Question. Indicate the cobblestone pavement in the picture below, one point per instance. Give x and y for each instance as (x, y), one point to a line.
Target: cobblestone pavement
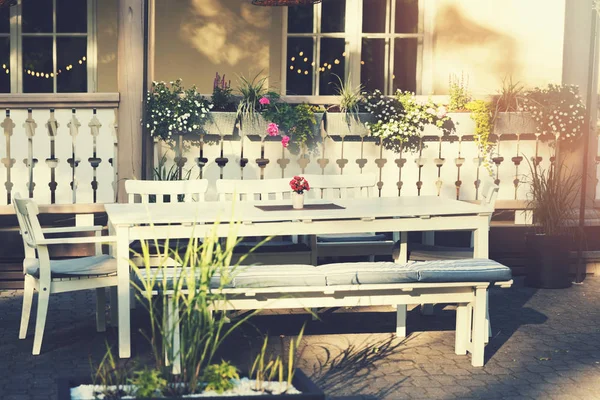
(546, 345)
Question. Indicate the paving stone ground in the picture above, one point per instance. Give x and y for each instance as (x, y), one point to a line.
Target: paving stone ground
(546, 345)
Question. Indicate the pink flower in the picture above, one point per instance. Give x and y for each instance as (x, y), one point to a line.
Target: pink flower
(264, 101)
(441, 112)
(285, 140)
(272, 129)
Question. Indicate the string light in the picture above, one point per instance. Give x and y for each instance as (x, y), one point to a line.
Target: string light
(49, 75)
(305, 59)
(336, 61)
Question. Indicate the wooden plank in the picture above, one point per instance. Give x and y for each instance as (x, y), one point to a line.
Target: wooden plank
(130, 71)
(60, 209)
(4, 285)
(59, 100)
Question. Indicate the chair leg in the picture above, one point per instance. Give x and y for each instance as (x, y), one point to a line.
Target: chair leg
(487, 319)
(479, 325)
(114, 308)
(27, 301)
(401, 320)
(40, 321)
(463, 329)
(101, 309)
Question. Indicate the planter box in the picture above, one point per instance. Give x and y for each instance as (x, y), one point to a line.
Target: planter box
(513, 123)
(343, 124)
(301, 382)
(221, 123)
(255, 126)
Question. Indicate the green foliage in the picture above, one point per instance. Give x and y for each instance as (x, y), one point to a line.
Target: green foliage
(558, 110)
(218, 377)
(552, 195)
(222, 97)
(170, 109)
(459, 93)
(111, 376)
(400, 120)
(251, 90)
(510, 98)
(483, 115)
(350, 97)
(147, 382)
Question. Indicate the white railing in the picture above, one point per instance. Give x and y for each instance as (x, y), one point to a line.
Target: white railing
(447, 166)
(59, 149)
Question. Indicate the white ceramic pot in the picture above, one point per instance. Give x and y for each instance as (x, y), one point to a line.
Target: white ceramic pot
(297, 201)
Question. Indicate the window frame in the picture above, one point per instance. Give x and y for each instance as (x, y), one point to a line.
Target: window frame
(16, 47)
(354, 35)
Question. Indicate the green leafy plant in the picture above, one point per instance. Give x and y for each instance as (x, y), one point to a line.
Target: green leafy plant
(222, 97)
(459, 93)
(483, 115)
(251, 91)
(510, 98)
(218, 377)
(558, 110)
(350, 97)
(147, 382)
(111, 376)
(400, 120)
(170, 109)
(552, 195)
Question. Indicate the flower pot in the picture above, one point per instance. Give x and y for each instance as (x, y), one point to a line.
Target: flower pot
(254, 126)
(309, 391)
(514, 122)
(221, 123)
(297, 201)
(548, 261)
(343, 124)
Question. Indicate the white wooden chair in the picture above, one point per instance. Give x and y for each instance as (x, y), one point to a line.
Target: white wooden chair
(58, 276)
(333, 187)
(278, 250)
(145, 191)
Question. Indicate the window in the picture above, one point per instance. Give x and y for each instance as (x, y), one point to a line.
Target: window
(47, 46)
(376, 43)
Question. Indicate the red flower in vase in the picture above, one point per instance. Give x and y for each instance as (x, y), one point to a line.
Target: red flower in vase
(299, 184)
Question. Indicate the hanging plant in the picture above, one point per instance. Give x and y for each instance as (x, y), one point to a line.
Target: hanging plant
(482, 112)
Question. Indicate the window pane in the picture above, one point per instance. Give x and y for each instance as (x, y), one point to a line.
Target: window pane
(405, 64)
(407, 16)
(71, 54)
(333, 16)
(372, 64)
(374, 16)
(71, 16)
(4, 63)
(37, 64)
(5, 19)
(332, 63)
(37, 16)
(299, 66)
(300, 19)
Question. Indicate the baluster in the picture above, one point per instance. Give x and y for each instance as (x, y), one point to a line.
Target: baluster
(74, 126)
(8, 126)
(420, 161)
(30, 162)
(94, 161)
(52, 161)
(380, 162)
(458, 161)
(201, 161)
(400, 162)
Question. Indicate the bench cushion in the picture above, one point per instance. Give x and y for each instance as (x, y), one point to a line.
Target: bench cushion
(262, 276)
(357, 273)
(352, 237)
(465, 270)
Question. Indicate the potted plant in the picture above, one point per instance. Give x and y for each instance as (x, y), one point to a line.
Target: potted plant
(401, 120)
(351, 118)
(171, 110)
(223, 117)
(187, 366)
(551, 198)
(298, 184)
(254, 95)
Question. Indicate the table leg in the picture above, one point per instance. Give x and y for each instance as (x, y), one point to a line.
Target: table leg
(463, 329)
(401, 320)
(481, 242)
(123, 291)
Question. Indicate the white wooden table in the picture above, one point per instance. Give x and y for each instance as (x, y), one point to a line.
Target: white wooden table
(385, 214)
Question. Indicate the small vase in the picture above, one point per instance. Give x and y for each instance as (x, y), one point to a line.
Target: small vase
(297, 201)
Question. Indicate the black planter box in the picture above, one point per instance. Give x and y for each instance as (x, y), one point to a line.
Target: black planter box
(309, 390)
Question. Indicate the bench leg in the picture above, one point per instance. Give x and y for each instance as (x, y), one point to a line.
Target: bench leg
(403, 251)
(101, 309)
(426, 309)
(463, 329)
(401, 320)
(173, 326)
(487, 318)
(114, 309)
(479, 327)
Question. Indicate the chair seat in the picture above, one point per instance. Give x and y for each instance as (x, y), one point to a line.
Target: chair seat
(73, 267)
(423, 252)
(352, 237)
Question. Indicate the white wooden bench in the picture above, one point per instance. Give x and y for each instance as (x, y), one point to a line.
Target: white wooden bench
(385, 284)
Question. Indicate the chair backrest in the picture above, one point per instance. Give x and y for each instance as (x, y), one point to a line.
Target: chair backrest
(341, 186)
(488, 192)
(253, 189)
(166, 191)
(29, 226)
